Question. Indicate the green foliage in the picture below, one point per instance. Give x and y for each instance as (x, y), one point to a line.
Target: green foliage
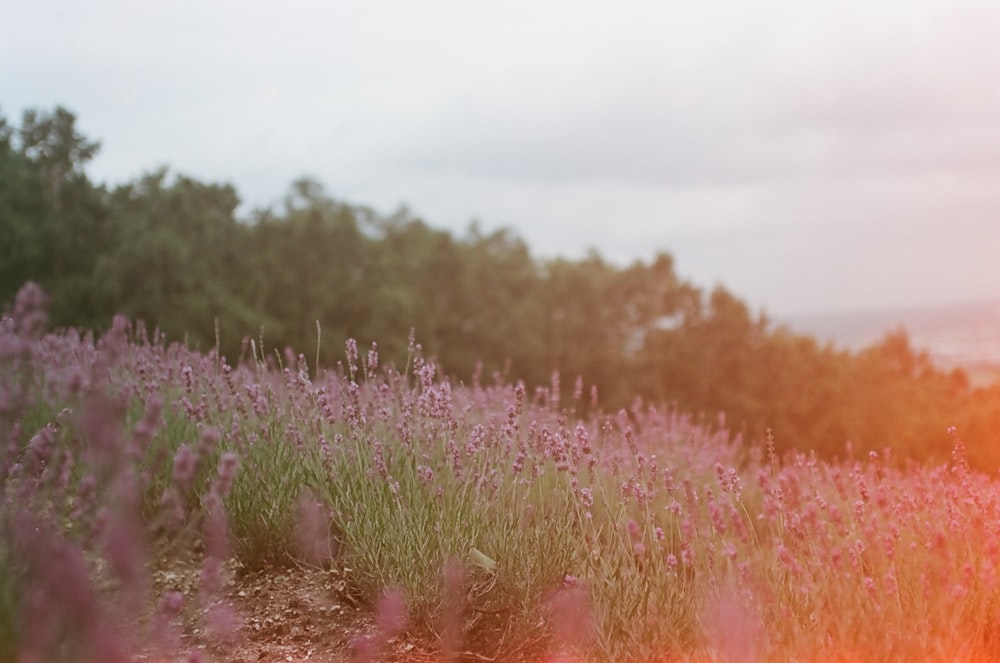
(307, 263)
(262, 505)
(10, 591)
(178, 259)
(173, 252)
(509, 527)
(510, 544)
(51, 142)
(52, 218)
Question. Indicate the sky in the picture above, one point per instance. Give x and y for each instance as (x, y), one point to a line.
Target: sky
(808, 156)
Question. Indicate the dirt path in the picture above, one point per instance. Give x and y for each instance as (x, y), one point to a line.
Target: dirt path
(280, 614)
(272, 615)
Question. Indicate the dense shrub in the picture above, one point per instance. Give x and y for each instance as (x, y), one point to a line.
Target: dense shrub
(486, 518)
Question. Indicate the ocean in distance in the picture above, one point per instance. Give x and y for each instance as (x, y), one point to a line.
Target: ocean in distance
(957, 335)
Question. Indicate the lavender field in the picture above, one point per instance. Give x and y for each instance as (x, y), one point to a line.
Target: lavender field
(461, 517)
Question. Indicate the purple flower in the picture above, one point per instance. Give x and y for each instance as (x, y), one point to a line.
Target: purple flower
(29, 309)
(372, 359)
(185, 466)
(351, 347)
(171, 603)
(228, 465)
(390, 613)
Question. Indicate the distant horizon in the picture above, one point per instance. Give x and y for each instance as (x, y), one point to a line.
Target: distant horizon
(956, 335)
(928, 307)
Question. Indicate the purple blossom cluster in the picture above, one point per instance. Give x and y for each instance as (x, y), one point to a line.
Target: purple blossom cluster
(485, 517)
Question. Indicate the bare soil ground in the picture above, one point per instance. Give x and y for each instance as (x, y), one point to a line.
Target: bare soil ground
(281, 614)
(278, 614)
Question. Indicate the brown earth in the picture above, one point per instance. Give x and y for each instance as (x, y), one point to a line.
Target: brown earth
(295, 613)
(284, 614)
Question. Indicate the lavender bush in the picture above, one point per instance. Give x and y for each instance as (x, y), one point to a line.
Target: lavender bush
(478, 520)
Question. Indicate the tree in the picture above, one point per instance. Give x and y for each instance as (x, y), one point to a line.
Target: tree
(53, 222)
(308, 262)
(22, 205)
(52, 143)
(179, 259)
(171, 250)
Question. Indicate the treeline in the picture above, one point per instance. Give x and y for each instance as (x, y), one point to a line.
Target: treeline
(173, 252)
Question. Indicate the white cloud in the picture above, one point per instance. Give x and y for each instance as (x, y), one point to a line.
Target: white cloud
(807, 154)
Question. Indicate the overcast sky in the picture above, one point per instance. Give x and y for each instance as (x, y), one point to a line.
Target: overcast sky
(810, 156)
